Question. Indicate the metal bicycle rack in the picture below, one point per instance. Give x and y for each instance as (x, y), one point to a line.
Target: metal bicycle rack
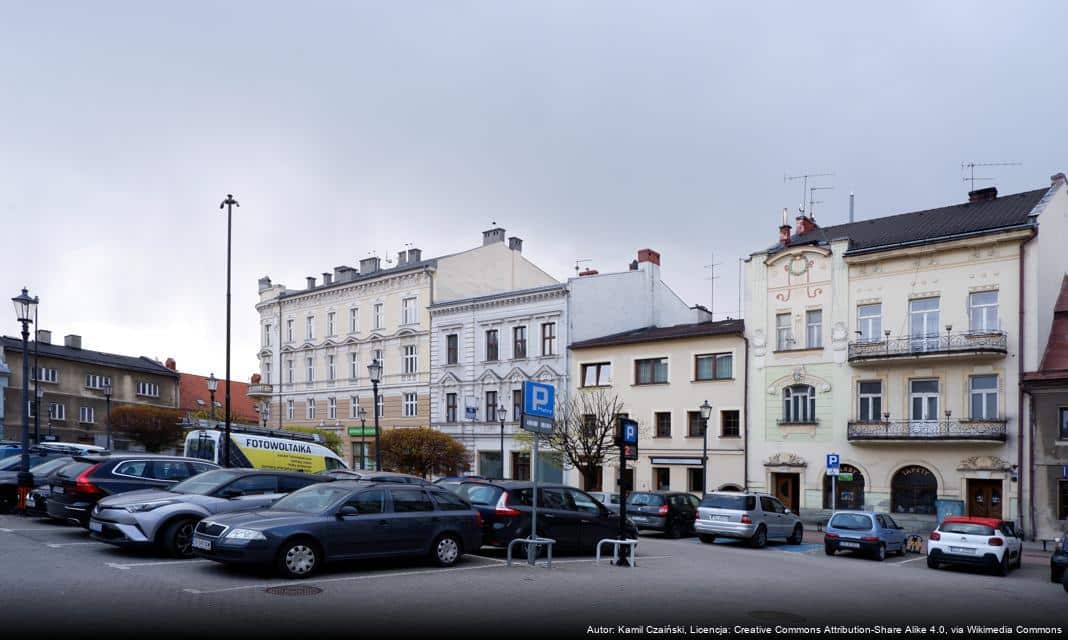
(631, 555)
(533, 546)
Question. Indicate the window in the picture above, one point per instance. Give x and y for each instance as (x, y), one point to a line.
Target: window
(983, 310)
(452, 348)
(330, 323)
(598, 374)
(694, 424)
(135, 468)
(354, 406)
(491, 345)
(870, 322)
(378, 315)
(253, 485)
(517, 404)
(309, 409)
(784, 336)
(491, 406)
(870, 401)
(289, 370)
(267, 335)
(913, 489)
(924, 399)
(548, 339)
(331, 408)
(408, 311)
(266, 373)
(449, 501)
(354, 365)
(369, 502)
(450, 407)
(380, 408)
(86, 415)
(1063, 412)
(714, 366)
(289, 410)
(57, 411)
(94, 381)
(411, 359)
(695, 480)
(410, 500)
(814, 329)
(331, 368)
(354, 320)
(984, 392)
(663, 424)
(149, 389)
(583, 502)
(519, 342)
(799, 404)
(651, 371)
(850, 492)
(380, 356)
(520, 465)
(289, 331)
(662, 479)
(309, 368)
(923, 324)
(411, 405)
(309, 327)
(730, 424)
(44, 374)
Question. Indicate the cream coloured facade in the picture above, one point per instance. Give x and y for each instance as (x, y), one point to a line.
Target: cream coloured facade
(897, 343)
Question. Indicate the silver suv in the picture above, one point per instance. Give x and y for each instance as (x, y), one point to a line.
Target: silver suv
(166, 517)
(750, 516)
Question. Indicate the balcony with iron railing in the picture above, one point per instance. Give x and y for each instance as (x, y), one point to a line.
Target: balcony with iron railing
(948, 430)
(260, 390)
(962, 344)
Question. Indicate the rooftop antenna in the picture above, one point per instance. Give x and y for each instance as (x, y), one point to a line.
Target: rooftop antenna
(712, 277)
(969, 169)
(579, 262)
(812, 202)
(804, 185)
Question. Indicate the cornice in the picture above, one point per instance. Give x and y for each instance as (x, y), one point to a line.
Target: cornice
(462, 306)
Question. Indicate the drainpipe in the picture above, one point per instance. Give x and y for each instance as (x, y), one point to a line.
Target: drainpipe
(745, 439)
(1020, 405)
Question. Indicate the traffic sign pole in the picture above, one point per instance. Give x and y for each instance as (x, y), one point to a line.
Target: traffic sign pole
(532, 548)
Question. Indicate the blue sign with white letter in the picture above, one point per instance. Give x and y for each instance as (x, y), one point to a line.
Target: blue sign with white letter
(539, 399)
(832, 460)
(630, 432)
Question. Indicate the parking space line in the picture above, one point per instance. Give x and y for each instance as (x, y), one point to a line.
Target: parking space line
(897, 564)
(131, 565)
(56, 545)
(39, 530)
(475, 555)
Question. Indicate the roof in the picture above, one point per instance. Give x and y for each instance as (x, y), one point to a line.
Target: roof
(993, 523)
(361, 277)
(675, 332)
(514, 293)
(1054, 367)
(100, 358)
(930, 225)
(192, 388)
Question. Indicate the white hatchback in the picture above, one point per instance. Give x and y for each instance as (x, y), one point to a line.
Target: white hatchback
(986, 542)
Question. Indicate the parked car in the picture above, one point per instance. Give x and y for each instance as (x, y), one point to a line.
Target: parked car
(868, 532)
(77, 487)
(570, 516)
(667, 511)
(340, 521)
(11, 458)
(166, 517)
(1058, 562)
(374, 476)
(985, 542)
(755, 517)
(452, 483)
(609, 500)
(9, 480)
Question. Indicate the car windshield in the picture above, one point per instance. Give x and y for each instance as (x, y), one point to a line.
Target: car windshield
(731, 502)
(967, 528)
(312, 499)
(645, 499)
(48, 467)
(11, 464)
(204, 483)
(851, 521)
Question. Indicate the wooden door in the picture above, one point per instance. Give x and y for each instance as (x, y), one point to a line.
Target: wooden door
(787, 487)
(984, 498)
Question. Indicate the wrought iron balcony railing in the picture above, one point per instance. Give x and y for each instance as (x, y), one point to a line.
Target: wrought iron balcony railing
(260, 390)
(927, 430)
(989, 342)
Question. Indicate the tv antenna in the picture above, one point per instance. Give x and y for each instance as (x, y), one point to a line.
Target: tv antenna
(969, 168)
(804, 185)
(579, 262)
(812, 202)
(712, 277)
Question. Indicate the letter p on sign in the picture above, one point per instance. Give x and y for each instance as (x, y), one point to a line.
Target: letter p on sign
(538, 399)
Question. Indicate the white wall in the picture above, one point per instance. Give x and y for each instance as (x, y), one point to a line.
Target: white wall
(484, 270)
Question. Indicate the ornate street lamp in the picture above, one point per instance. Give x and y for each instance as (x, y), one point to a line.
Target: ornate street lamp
(706, 413)
(374, 372)
(501, 414)
(362, 413)
(107, 401)
(213, 384)
(39, 395)
(25, 308)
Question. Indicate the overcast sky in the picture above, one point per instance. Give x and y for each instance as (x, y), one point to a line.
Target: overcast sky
(589, 129)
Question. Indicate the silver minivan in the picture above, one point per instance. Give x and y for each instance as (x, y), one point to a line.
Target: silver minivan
(755, 517)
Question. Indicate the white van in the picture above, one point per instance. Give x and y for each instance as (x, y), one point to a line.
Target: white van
(263, 449)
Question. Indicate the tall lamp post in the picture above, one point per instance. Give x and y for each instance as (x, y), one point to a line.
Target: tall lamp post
(229, 203)
(501, 414)
(25, 308)
(38, 394)
(265, 412)
(362, 413)
(107, 402)
(374, 371)
(706, 413)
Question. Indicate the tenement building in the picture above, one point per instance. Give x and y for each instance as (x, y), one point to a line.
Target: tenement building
(899, 343)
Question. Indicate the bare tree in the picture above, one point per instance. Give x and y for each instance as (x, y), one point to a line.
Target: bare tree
(585, 431)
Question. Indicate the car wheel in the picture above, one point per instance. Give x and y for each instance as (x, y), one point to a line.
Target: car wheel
(177, 538)
(931, 563)
(672, 531)
(298, 558)
(828, 548)
(797, 536)
(760, 538)
(880, 552)
(447, 550)
(707, 538)
(1019, 560)
(1002, 568)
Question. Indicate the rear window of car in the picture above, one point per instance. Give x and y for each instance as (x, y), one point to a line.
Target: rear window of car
(448, 501)
(645, 499)
(136, 468)
(480, 494)
(734, 503)
(73, 469)
(851, 521)
(967, 528)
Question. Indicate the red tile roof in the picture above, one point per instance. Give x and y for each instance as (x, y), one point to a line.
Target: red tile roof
(1055, 360)
(192, 387)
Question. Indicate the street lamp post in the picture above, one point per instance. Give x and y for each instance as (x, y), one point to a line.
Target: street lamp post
(374, 371)
(501, 413)
(25, 308)
(213, 384)
(265, 412)
(229, 203)
(362, 413)
(107, 402)
(706, 413)
(38, 394)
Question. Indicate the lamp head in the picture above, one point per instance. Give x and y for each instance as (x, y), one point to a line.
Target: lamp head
(706, 410)
(213, 383)
(25, 306)
(374, 371)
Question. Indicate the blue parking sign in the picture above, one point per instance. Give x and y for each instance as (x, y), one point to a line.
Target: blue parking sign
(833, 460)
(630, 431)
(539, 399)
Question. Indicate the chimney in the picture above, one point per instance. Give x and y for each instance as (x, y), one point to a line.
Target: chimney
(588, 272)
(784, 229)
(648, 255)
(495, 234)
(171, 364)
(44, 336)
(515, 244)
(328, 278)
(369, 265)
(342, 273)
(255, 379)
(265, 283)
(983, 195)
(633, 265)
(1056, 179)
(73, 341)
(805, 224)
(402, 258)
(311, 282)
(415, 255)
(851, 207)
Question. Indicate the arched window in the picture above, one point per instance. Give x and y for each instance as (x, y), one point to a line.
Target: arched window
(913, 490)
(850, 492)
(799, 404)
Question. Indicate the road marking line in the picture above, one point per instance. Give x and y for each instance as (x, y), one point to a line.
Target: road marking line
(130, 565)
(474, 555)
(898, 564)
(40, 530)
(70, 544)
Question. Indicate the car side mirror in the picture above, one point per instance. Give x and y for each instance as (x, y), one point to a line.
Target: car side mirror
(347, 510)
(786, 511)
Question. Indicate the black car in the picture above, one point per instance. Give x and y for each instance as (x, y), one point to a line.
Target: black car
(568, 515)
(373, 476)
(43, 465)
(343, 520)
(1058, 562)
(671, 512)
(77, 487)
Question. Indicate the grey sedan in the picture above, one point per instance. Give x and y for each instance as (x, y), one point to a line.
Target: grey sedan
(755, 517)
(166, 517)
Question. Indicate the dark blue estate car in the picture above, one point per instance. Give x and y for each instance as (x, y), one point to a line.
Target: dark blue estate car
(344, 520)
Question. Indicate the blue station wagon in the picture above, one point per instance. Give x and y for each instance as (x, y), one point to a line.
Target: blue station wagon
(868, 532)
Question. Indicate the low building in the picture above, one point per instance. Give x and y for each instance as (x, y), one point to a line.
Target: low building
(194, 397)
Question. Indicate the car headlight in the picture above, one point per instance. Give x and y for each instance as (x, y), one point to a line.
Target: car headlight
(147, 506)
(245, 534)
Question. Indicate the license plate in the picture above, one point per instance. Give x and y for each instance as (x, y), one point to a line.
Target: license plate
(849, 545)
(719, 518)
(640, 519)
(57, 489)
(961, 550)
(201, 543)
(95, 526)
